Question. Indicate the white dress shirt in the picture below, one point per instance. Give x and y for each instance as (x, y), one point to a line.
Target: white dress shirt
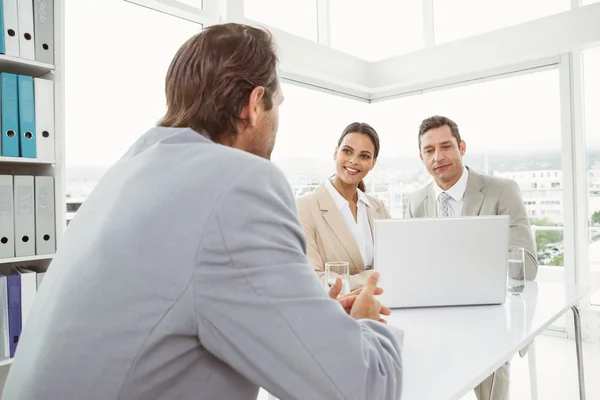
(360, 228)
(456, 193)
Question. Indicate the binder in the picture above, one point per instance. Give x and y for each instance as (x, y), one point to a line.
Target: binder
(28, 291)
(43, 21)
(10, 115)
(24, 216)
(26, 117)
(13, 298)
(2, 43)
(40, 278)
(26, 33)
(7, 229)
(45, 239)
(44, 118)
(4, 333)
(11, 28)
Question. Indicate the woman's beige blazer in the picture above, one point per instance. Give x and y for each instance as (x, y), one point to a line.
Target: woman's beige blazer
(328, 238)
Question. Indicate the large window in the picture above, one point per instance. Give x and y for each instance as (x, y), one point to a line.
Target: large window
(375, 30)
(115, 81)
(458, 19)
(310, 124)
(591, 78)
(293, 16)
(512, 129)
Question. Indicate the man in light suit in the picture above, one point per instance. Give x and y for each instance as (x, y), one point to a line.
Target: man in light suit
(184, 274)
(457, 190)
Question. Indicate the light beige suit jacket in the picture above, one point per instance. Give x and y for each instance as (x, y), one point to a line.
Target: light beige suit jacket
(487, 195)
(328, 238)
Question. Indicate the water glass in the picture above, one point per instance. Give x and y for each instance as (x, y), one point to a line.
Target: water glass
(335, 269)
(515, 280)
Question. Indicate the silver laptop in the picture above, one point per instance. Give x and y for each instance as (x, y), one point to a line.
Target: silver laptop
(427, 262)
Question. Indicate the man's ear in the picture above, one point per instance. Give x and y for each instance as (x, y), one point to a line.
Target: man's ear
(462, 147)
(254, 107)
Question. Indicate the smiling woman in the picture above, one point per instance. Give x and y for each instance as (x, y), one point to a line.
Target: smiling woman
(344, 232)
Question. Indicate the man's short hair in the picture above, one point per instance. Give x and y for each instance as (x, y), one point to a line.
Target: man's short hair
(437, 121)
(212, 75)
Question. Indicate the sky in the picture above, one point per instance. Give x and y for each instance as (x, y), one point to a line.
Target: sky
(115, 81)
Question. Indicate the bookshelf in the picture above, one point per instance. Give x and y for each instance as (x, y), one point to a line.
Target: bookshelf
(42, 166)
(20, 160)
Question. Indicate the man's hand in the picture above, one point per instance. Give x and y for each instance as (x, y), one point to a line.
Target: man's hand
(365, 305)
(347, 300)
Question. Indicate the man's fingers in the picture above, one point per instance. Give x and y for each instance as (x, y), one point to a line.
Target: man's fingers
(385, 311)
(382, 321)
(371, 286)
(335, 290)
(356, 292)
(347, 302)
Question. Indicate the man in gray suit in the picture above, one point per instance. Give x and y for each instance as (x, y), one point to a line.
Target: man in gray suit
(457, 190)
(184, 274)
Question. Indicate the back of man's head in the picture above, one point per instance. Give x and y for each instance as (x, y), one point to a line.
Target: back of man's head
(212, 75)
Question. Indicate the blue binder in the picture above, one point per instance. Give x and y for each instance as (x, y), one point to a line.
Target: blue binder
(2, 44)
(13, 297)
(10, 115)
(26, 117)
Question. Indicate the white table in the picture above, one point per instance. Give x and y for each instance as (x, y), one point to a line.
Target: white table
(450, 350)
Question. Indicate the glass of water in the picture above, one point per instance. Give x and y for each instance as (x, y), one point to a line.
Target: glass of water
(515, 282)
(335, 269)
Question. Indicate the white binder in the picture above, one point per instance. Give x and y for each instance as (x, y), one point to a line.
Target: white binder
(28, 292)
(44, 118)
(43, 19)
(7, 230)
(11, 27)
(45, 238)
(40, 278)
(4, 336)
(24, 216)
(26, 35)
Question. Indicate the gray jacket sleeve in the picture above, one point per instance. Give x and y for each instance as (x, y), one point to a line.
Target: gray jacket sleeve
(511, 204)
(262, 310)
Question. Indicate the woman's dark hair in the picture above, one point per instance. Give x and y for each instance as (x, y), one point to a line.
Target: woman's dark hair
(364, 129)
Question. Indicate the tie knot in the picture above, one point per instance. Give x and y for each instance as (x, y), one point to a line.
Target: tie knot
(444, 197)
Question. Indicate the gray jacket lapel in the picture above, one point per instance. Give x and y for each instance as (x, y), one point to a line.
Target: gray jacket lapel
(473, 195)
(430, 203)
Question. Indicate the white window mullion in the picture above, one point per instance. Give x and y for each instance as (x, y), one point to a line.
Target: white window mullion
(581, 193)
(574, 159)
(323, 22)
(428, 27)
(568, 167)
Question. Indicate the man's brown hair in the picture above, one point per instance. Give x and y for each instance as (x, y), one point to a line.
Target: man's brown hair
(437, 121)
(212, 75)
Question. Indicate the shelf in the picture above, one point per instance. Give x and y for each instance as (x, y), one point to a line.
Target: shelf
(24, 160)
(22, 66)
(25, 259)
(6, 362)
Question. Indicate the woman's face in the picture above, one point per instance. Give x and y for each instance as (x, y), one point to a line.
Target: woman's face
(354, 158)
